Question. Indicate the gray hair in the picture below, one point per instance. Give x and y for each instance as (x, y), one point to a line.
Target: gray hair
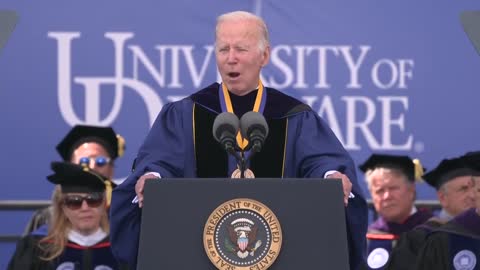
(382, 170)
(246, 16)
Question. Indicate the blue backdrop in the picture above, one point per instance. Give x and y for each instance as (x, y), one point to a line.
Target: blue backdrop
(399, 77)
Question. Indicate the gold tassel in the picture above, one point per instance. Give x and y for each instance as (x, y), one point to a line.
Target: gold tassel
(108, 192)
(418, 168)
(120, 145)
(108, 184)
(85, 167)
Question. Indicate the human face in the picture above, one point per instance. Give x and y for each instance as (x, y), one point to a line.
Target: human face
(85, 219)
(93, 150)
(238, 55)
(476, 191)
(457, 195)
(392, 195)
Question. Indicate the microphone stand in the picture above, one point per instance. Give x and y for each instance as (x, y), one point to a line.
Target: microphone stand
(243, 165)
(241, 162)
(240, 158)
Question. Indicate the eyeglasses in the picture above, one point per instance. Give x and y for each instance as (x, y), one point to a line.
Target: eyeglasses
(100, 161)
(75, 202)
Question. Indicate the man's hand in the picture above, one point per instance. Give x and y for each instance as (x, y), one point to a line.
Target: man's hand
(347, 185)
(140, 185)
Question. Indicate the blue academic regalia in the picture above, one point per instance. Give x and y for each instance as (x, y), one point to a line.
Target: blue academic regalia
(300, 144)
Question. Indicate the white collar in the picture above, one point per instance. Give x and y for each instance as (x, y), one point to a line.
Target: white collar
(445, 215)
(87, 240)
(414, 210)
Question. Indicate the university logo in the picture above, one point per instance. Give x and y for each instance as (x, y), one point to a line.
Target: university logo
(377, 258)
(464, 260)
(242, 234)
(93, 84)
(379, 122)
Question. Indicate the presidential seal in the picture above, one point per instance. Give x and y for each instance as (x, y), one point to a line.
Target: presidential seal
(242, 234)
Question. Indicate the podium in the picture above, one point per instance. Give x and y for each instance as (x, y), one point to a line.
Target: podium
(183, 219)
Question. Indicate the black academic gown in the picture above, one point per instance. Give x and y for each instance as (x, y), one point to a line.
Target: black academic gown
(404, 254)
(455, 245)
(28, 255)
(382, 237)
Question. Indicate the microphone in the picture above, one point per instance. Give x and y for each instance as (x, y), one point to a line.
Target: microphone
(254, 127)
(225, 129)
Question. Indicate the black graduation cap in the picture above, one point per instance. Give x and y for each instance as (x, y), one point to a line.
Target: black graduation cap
(447, 170)
(76, 178)
(473, 160)
(403, 163)
(79, 134)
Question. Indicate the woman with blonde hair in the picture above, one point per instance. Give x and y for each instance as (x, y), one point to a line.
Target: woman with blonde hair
(78, 234)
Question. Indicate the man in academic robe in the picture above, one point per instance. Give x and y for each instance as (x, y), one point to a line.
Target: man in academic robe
(391, 181)
(181, 144)
(453, 180)
(455, 245)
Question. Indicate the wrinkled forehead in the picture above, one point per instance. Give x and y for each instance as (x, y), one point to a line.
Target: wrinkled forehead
(237, 29)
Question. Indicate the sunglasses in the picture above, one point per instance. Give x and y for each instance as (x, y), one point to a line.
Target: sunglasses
(75, 202)
(100, 161)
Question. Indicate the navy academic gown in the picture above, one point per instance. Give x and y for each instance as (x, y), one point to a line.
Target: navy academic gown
(300, 144)
(383, 235)
(455, 245)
